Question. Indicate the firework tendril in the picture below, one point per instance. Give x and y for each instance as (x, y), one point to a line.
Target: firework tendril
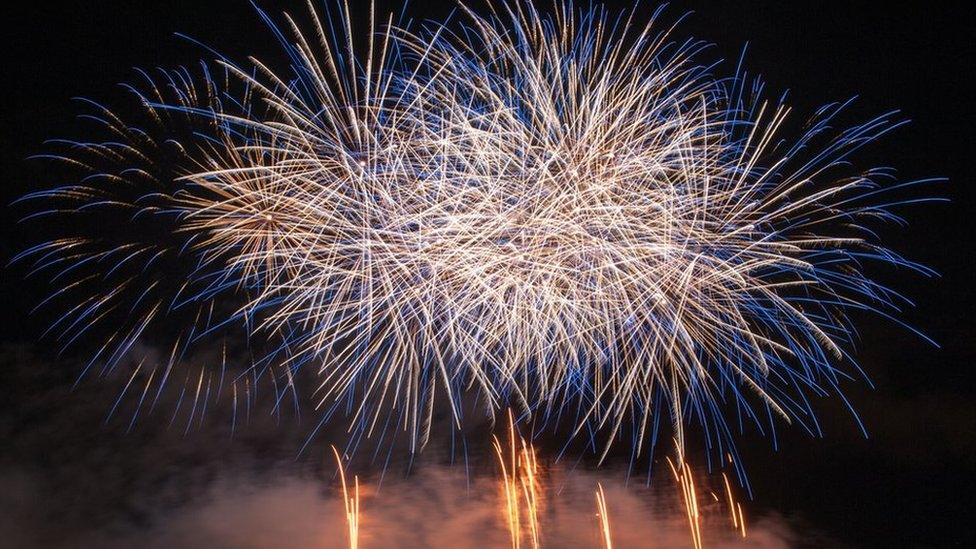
(564, 212)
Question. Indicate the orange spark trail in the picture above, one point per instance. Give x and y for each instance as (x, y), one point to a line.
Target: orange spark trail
(350, 502)
(520, 487)
(601, 504)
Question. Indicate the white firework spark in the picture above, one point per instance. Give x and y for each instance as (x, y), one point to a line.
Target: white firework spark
(564, 213)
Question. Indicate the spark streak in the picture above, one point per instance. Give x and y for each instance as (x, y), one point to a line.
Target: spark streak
(689, 496)
(350, 502)
(564, 213)
(604, 514)
(521, 486)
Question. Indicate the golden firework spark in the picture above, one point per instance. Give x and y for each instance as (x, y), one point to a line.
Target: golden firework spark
(604, 514)
(521, 486)
(350, 502)
(549, 211)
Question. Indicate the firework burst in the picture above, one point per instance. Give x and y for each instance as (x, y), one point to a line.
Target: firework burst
(565, 213)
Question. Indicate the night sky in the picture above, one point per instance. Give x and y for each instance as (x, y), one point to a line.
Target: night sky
(910, 484)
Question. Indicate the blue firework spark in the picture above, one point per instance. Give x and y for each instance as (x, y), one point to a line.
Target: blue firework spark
(566, 213)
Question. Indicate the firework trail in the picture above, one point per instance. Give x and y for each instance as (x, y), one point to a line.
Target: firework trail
(350, 502)
(567, 213)
(604, 514)
(521, 486)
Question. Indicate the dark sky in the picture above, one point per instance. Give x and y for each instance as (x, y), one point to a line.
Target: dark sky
(910, 484)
